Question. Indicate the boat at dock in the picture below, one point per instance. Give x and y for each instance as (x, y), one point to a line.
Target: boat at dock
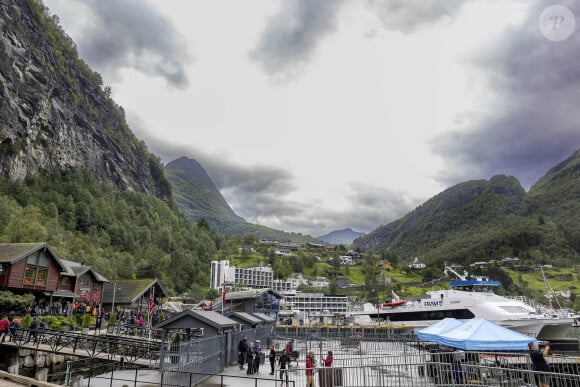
(472, 298)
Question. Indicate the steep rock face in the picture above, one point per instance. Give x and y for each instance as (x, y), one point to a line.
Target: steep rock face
(54, 113)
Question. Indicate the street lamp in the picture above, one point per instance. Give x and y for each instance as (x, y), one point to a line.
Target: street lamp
(114, 296)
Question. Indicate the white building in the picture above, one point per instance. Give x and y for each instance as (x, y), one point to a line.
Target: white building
(320, 282)
(251, 277)
(219, 274)
(416, 264)
(314, 303)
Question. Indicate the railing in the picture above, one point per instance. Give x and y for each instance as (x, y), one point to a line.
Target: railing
(125, 349)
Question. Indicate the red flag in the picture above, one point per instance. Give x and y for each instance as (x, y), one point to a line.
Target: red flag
(151, 299)
(224, 295)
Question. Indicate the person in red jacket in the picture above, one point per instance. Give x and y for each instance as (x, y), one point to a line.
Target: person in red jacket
(310, 364)
(4, 324)
(327, 361)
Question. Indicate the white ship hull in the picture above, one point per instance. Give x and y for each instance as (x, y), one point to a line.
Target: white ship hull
(462, 305)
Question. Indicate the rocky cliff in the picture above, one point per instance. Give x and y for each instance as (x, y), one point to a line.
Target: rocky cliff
(56, 115)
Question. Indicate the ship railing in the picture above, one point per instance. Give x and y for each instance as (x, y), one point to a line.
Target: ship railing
(530, 302)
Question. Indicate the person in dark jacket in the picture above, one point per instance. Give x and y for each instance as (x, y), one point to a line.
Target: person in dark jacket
(257, 356)
(283, 361)
(32, 330)
(242, 350)
(272, 358)
(539, 363)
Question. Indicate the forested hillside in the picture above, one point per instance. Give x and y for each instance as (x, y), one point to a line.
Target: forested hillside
(122, 234)
(473, 221)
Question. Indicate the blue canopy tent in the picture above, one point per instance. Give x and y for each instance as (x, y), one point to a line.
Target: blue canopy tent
(482, 335)
(442, 326)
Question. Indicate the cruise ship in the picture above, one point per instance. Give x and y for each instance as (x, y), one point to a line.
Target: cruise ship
(467, 299)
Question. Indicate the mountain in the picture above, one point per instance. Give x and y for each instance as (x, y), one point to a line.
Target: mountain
(472, 221)
(55, 114)
(344, 237)
(73, 174)
(556, 196)
(198, 198)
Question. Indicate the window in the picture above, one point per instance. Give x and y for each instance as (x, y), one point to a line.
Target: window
(36, 272)
(65, 283)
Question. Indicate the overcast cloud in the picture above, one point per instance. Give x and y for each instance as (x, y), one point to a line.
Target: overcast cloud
(120, 34)
(408, 16)
(533, 123)
(291, 37)
(359, 131)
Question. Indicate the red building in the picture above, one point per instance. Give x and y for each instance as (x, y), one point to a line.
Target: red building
(34, 268)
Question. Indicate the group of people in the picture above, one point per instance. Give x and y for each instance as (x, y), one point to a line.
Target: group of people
(8, 329)
(249, 353)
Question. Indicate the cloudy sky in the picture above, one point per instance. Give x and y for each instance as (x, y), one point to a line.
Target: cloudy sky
(317, 115)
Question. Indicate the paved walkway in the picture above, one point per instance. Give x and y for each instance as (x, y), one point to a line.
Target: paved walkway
(234, 377)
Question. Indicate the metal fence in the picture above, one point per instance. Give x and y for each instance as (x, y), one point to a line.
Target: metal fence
(364, 358)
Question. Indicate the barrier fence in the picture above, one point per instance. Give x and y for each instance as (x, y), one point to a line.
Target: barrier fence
(369, 359)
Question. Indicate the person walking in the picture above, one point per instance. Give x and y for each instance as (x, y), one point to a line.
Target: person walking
(283, 361)
(32, 330)
(310, 365)
(539, 364)
(250, 359)
(257, 356)
(272, 358)
(242, 350)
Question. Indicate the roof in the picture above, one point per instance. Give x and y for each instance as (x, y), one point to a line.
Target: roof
(482, 335)
(246, 317)
(213, 319)
(264, 317)
(76, 269)
(252, 293)
(127, 291)
(65, 294)
(14, 252)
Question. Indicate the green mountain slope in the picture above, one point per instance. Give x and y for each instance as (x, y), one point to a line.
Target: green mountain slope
(472, 221)
(556, 196)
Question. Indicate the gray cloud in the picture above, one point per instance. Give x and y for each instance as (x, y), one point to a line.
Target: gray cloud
(263, 195)
(291, 36)
(409, 15)
(368, 208)
(128, 34)
(533, 122)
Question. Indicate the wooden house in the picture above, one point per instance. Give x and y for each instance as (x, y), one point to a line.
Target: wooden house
(81, 282)
(29, 268)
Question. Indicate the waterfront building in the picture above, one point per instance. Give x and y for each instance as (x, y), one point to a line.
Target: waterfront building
(313, 303)
(260, 277)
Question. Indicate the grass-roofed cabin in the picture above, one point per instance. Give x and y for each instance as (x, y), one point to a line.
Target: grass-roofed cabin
(132, 297)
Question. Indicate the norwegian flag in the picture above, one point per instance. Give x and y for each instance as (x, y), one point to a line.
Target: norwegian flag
(151, 299)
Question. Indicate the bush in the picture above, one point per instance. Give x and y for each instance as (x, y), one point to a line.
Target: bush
(88, 320)
(112, 318)
(26, 321)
